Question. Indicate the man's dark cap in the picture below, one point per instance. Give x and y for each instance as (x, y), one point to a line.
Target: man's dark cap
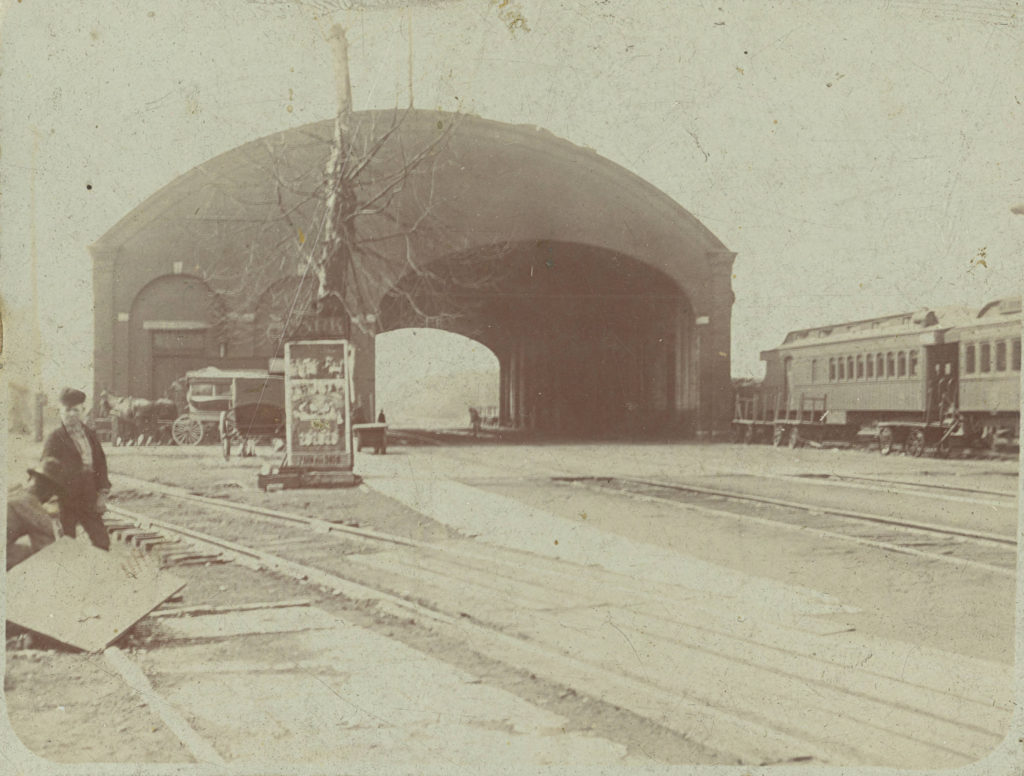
(72, 397)
(51, 470)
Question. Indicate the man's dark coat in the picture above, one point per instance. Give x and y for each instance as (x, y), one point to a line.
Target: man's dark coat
(78, 502)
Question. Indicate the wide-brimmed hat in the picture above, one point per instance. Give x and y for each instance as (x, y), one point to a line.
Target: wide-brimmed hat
(72, 397)
(51, 470)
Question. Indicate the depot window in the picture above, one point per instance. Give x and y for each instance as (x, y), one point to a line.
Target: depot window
(1000, 356)
(860, 367)
(842, 368)
(969, 362)
(849, 367)
(890, 365)
(879, 366)
(1015, 355)
(832, 370)
(901, 360)
(814, 370)
(913, 363)
(870, 366)
(986, 357)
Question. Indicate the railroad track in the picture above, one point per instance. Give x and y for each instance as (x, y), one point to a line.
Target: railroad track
(614, 637)
(1004, 497)
(993, 552)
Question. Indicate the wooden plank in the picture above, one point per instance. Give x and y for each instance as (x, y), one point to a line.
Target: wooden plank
(200, 748)
(83, 596)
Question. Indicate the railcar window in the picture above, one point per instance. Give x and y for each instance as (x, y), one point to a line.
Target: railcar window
(879, 366)
(969, 365)
(913, 363)
(901, 360)
(1000, 356)
(860, 367)
(890, 365)
(870, 365)
(1015, 362)
(832, 369)
(986, 357)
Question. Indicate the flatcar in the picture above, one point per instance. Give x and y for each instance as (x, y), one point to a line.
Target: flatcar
(936, 378)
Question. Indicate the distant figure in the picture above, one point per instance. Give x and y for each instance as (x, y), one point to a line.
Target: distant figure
(474, 420)
(25, 513)
(381, 418)
(77, 448)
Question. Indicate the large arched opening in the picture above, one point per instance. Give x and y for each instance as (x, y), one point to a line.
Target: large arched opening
(429, 378)
(589, 342)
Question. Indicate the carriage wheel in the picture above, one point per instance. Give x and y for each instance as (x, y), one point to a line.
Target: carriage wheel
(944, 449)
(794, 437)
(778, 434)
(186, 430)
(915, 443)
(885, 441)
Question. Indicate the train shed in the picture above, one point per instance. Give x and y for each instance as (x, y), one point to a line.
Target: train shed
(607, 304)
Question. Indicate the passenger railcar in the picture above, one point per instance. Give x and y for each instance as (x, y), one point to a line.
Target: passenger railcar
(949, 371)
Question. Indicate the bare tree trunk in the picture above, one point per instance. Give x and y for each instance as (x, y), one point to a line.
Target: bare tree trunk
(333, 261)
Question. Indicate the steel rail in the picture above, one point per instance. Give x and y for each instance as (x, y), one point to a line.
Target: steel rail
(812, 508)
(316, 524)
(919, 485)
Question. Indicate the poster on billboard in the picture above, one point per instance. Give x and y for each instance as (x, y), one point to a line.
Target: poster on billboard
(317, 387)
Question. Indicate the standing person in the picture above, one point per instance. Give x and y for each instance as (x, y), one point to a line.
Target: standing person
(381, 418)
(25, 513)
(77, 448)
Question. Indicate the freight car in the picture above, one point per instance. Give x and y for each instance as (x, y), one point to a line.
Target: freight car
(934, 379)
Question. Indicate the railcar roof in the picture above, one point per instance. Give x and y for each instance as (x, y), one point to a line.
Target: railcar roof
(903, 323)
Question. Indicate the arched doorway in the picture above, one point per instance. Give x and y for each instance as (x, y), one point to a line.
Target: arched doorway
(177, 324)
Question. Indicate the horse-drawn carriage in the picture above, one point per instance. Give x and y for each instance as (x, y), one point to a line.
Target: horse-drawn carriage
(244, 406)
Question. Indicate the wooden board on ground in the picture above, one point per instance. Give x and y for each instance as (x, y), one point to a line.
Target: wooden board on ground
(85, 597)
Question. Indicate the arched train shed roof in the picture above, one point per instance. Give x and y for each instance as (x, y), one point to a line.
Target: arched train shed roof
(487, 183)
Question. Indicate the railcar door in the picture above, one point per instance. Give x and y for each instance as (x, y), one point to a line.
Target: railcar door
(943, 362)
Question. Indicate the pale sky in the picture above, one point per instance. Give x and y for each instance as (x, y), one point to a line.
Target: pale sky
(861, 158)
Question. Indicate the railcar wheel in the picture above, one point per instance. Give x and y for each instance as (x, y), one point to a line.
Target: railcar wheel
(915, 443)
(885, 441)
(944, 449)
(186, 430)
(778, 434)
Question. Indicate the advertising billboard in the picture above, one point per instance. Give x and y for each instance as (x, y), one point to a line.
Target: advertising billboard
(318, 390)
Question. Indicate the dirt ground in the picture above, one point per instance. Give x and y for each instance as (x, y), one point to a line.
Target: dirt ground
(66, 706)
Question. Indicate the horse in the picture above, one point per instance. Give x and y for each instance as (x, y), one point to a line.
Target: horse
(135, 417)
